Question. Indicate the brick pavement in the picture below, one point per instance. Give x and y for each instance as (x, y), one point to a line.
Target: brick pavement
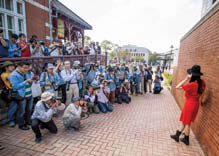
(141, 128)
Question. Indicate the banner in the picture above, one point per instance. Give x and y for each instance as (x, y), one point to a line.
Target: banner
(61, 28)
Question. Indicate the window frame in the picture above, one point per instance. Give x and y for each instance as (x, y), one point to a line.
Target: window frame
(16, 16)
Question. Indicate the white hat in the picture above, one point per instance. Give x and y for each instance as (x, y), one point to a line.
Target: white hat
(61, 107)
(46, 96)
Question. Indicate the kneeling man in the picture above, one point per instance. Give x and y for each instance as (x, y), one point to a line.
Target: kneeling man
(43, 112)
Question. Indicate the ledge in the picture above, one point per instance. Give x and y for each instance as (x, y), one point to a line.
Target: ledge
(209, 14)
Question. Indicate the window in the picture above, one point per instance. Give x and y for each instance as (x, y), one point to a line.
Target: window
(1, 3)
(19, 8)
(20, 25)
(9, 5)
(10, 21)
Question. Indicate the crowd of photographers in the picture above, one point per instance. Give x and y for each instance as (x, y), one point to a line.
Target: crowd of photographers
(18, 47)
(34, 99)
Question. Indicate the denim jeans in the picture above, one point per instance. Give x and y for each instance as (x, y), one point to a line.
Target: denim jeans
(104, 107)
(29, 109)
(21, 112)
(12, 111)
(24, 111)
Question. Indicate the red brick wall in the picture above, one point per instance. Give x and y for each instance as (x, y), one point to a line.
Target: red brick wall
(43, 2)
(202, 47)
(36, 19)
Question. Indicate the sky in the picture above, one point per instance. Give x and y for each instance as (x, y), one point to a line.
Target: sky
(154, 24)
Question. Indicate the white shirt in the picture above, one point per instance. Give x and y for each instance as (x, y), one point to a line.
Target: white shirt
(70, 75)
(72, 111)
(92, 51)
(101, 96)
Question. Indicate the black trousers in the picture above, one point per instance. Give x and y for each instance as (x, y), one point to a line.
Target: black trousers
(36, 124)
(145, 85)
(63, 90)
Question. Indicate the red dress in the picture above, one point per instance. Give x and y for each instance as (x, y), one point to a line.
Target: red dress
(192, 102)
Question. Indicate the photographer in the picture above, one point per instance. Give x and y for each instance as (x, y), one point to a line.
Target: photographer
(14, 49)
(25, 49)
(71, 78)
(90, 96)
(36, 49)
(50, 81)
(56, 48)
(42, 115)
(72, 114)
(4, 45)
(103, 102)
(124, 93)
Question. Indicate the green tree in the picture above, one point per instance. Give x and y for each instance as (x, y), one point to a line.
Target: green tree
(106, 45)
(139, 58)
(87, 40)
(124, 55)
(153, 58)
(112, 55)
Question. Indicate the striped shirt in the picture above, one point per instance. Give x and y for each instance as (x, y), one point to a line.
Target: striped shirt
(28, 92)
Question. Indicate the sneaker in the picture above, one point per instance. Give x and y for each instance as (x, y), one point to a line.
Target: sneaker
(12, 124)
(24, 128)
(38, 140)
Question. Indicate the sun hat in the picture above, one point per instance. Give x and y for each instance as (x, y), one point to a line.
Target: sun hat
(76, 98)
(46, 96)
(6, 64)
(195, 70)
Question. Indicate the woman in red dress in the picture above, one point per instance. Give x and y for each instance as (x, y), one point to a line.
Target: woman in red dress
(193, 92)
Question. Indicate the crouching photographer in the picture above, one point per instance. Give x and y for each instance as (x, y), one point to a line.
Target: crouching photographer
(72, 114)
(91, 97)
(124, 93)
(43, 112)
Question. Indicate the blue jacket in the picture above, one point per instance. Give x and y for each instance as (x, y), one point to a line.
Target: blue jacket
(52, 78)
(4, 50)
(112, 85)
(12, 52)
(91, 75)
(17, 82)
(99, 69)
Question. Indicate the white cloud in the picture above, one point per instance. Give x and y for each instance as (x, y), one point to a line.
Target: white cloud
(153, 24)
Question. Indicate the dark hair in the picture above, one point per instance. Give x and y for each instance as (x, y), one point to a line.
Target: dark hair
(22, 35)
(15, 36)
(1, 31)
(198, 79)
(21, 64)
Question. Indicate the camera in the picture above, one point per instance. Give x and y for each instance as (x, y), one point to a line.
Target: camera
(53, 99)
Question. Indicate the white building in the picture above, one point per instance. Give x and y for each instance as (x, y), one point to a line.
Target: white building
(136, 51)
(207, 5)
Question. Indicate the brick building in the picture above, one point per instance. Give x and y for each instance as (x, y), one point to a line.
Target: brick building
(37, 17)
(201, 46)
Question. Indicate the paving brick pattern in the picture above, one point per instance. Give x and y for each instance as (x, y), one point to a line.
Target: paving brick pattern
(141, 128)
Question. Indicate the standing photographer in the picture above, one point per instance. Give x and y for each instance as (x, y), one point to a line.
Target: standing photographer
(42, 115)
(56, 48)
(50, 81)
(71, 78)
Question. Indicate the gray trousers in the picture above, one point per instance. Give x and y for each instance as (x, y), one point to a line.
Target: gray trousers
(71, 122)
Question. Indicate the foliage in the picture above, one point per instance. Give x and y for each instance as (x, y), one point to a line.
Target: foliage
(106, 45)
(153, 58)
(112, 54)
(87, 40)
(124, 55)
(139, 58)
(168, 79)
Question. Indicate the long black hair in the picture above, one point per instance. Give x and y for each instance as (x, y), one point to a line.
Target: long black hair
(198, 79)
